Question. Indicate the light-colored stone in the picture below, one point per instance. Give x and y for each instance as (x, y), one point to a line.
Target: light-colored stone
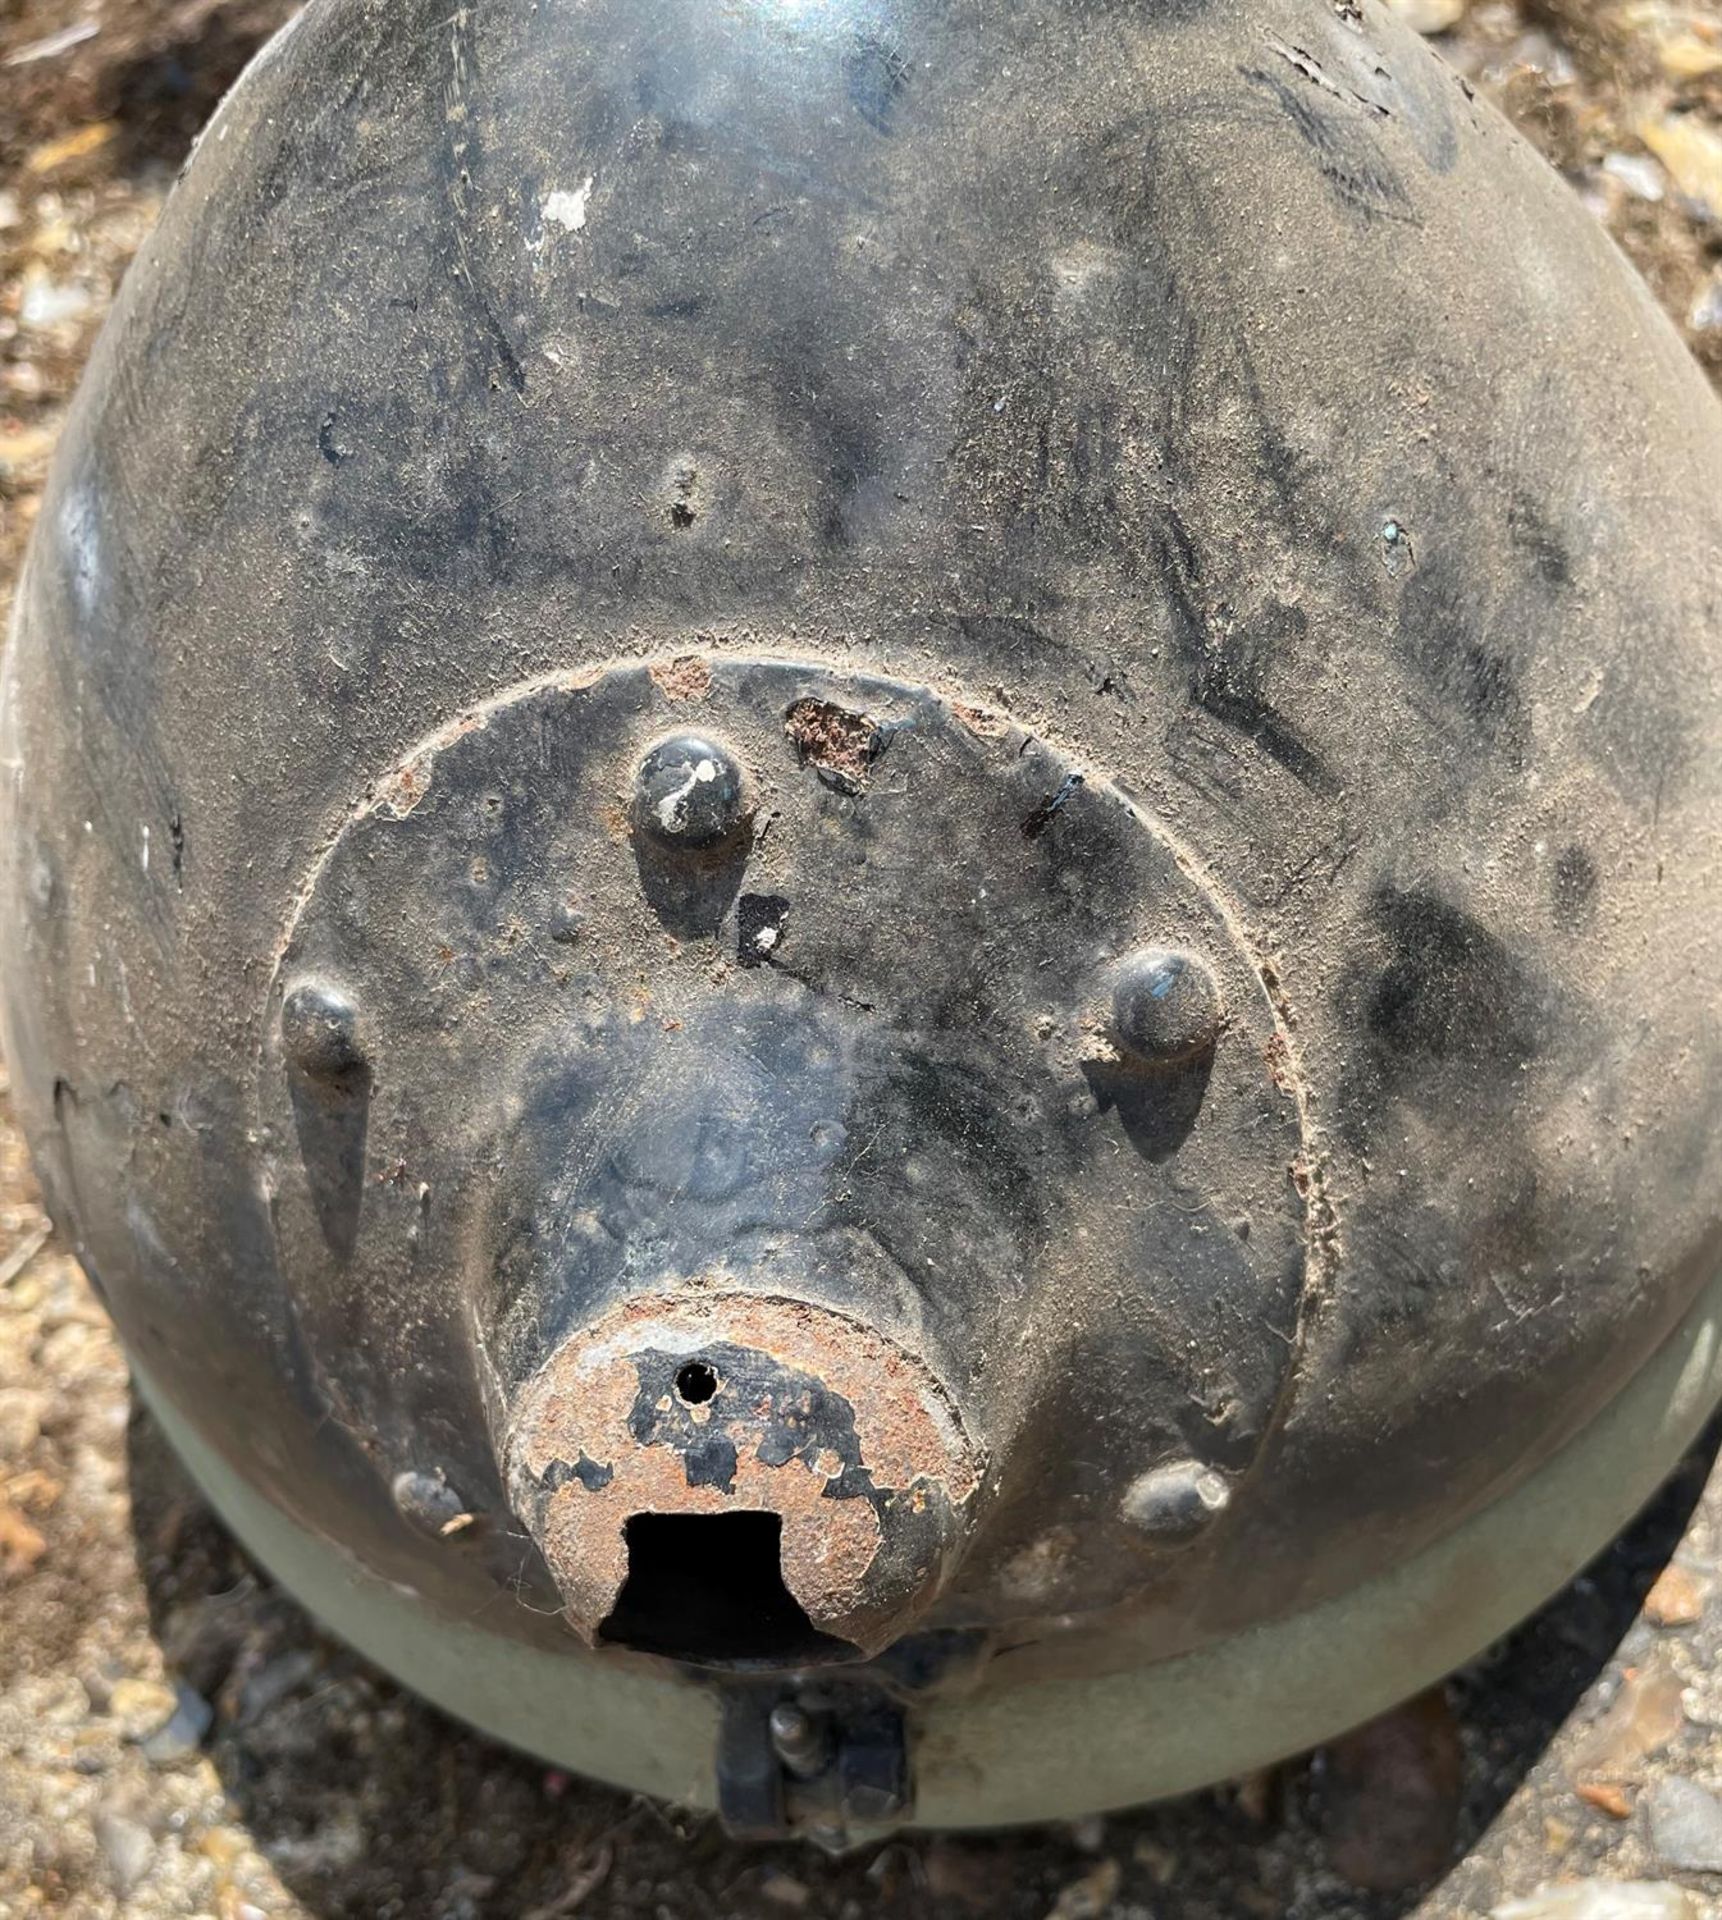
(1091, 1895)
(1691, 150)
(1603, 1900)
(1641, 176)
(22, 1411)
(1429, 16)
(1643, 1717)
(184, 1732)
(1686, 1826)
(140, 1706)
(1687, 57)
(1677, 1599)
(46, 302)
(128, 1848)
(1707, 308)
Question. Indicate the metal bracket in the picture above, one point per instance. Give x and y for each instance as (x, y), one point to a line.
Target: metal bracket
(828, 1761)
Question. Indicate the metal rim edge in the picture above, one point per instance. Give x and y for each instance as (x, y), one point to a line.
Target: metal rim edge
(1054, 1749)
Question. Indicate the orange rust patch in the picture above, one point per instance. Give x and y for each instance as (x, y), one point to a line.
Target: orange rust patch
(406, 787)
(582, 1402)
(686, 678)
(979, 720)
(833, 740)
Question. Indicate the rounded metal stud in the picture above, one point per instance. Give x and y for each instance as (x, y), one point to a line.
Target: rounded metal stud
(1166, 1007)
(1174, 1502)
(320, 1031)
(799, 1739)
(427, 1502)
(690, 794)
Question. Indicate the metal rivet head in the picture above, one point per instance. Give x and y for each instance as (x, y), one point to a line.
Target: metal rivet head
(1166, 1007)
(1173, 1503)
(320, 1031)
(690, 794)
(427, 1502)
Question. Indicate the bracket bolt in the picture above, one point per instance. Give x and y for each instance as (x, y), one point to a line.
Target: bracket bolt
(799, 1739)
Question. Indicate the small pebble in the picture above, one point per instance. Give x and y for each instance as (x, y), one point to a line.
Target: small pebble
(22, 1411)
(1691, 150)
(1643, 1717)
(274, 1681)
(1687, 57)
(1603, 1900)
(21, 1545)
(141, 1706)
(783, 1889)
(128, 1848)
(1638, 173)
(1686, 1826)
(183, 1734)
(1159, 1859)
(1676, 1600)
(1429, 16)
(1607, 1798)
(1707, 308)
(335, 1846)
(1089, 1834)
(18, 453)
(1090, 1896)
(79, 145)
(50, 303)
(224, 1846)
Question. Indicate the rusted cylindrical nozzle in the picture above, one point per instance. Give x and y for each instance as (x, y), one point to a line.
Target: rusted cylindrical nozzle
(728, 1477)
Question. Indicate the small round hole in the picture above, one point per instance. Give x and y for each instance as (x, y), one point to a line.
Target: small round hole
(696, 1383)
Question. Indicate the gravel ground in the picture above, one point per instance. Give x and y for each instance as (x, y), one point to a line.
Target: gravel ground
(177, 1739)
